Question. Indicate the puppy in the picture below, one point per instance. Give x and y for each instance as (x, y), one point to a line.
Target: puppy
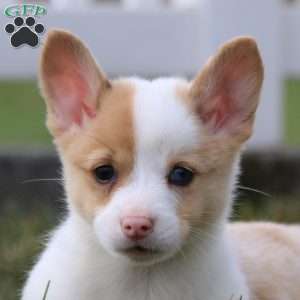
(149, 170)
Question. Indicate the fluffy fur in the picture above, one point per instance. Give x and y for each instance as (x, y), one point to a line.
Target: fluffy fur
(145, 128)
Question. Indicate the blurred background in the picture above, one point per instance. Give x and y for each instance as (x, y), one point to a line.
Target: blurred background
(148, 38)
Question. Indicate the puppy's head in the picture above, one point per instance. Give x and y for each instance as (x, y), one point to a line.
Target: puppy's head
(149, 164)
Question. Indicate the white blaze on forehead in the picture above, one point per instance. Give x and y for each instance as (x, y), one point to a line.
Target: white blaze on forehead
(163, 127)
(163, 124)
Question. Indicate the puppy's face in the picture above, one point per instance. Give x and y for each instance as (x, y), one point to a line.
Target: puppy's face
(149, 164)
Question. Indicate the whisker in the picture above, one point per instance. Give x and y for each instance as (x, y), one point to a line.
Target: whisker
(42, 180)
(246, 188)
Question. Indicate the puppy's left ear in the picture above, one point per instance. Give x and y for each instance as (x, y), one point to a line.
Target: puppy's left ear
(226, 93)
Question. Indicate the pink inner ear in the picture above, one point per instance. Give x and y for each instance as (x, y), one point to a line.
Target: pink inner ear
(220, 111)
(70, 93)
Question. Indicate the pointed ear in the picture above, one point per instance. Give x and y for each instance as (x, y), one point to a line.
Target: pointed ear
(226, 93)
(70, 81)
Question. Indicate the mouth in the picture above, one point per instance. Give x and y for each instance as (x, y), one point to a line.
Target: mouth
(140, 252)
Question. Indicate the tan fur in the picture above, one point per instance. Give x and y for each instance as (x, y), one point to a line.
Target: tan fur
(199, 208)
(108, 140)
(203, 200)
(200, 204)
(269, 255)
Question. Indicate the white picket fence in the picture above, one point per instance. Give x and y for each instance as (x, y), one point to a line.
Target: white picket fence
(155, 37)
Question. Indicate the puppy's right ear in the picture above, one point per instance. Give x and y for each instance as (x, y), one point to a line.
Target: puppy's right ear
(70, 81)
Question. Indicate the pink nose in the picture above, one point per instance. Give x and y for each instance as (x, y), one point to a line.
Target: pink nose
(136, 228)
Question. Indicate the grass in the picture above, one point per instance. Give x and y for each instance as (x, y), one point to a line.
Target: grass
(46, 290)
(22, 113)
(20, 242)
(282, 209)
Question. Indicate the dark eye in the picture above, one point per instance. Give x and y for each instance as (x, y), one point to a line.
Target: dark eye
(105, 174)
(180, 176)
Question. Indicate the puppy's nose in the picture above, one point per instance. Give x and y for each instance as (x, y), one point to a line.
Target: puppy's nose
(136, 228)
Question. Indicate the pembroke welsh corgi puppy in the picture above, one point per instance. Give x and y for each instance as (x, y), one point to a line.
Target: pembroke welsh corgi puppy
(149, 170)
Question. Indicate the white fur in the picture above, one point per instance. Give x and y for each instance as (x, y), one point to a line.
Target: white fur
(80, 269)
(77, 264)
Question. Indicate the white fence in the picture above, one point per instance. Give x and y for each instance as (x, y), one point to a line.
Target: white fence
(168, 40)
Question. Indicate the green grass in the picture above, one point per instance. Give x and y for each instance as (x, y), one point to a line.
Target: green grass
(22, 114)
(20, 242)
(281, 209)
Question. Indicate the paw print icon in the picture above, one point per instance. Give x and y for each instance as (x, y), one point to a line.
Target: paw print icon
(24, 32)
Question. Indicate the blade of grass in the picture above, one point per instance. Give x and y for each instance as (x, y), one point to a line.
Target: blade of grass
(46, 290)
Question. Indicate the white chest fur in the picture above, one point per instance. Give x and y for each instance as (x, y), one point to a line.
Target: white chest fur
(79, 269)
